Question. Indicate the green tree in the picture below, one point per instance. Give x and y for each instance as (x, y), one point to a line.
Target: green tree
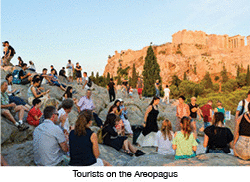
(238, 71)
(92, 77)
(207, 81)
(185, 76)
(175, 81)
(97, 78)
(248, 77)
(134, 77)
(223, 74)
(151, 73)
(119, 81)
(108, 78)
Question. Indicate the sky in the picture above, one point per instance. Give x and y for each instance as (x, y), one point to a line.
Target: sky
(88, 31)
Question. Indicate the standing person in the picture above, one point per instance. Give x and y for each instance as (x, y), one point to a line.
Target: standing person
(85, 81)
(7, 107)
(25, 77)
(184, 141)
(150, 127)
(32, 66)
(70, 68)
(63, 114)
(111, 89)
(49, 141)
(241, 144)
(218, 137)
(35, 113)
(139, 87)
(52, 68)
(83, 142)
(86, 103)
(157, 90)
(220, 109)
(166, 94)
(164, 138)
(9, 52)
(207, 113)
(181, 111)
(242, 106)
(194, 112)
(78, 74)
(62, 72)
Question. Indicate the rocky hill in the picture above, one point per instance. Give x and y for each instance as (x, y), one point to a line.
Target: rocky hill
(17, 148)
(193, 52)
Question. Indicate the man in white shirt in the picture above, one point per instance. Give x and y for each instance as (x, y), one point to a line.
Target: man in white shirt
(166, 94)
(67, 105)
(70, 68)
(85, 80)
(242, 106)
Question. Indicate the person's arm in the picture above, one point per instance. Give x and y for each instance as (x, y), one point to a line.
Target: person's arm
(237, 115)
(205, 140)
(8, 105)
(25, 76)
(5, 51)
(33, 90)
(146, 114)
(64, 146)
(188, 110)
(95, 147)
(79, 104)
(211, 114)
(199, 112)
(174, 146)
(236, 130)
(62, 119)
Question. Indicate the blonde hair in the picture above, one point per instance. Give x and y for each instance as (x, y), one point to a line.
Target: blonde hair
(51, 102)
(186, 126)
(166, 129)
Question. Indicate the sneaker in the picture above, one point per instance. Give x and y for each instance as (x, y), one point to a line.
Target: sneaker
(139, 153)
(22, 127)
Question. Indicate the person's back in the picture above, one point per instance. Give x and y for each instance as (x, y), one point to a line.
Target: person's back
(46, 139)
(164, 146)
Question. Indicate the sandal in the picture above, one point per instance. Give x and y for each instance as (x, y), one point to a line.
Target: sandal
(128, 153)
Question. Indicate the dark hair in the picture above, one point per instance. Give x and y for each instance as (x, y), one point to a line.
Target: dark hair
(36, 80)
(186, 126)
(67, 103)
(36, 101)
(88, 114)
(154, 98)
(85, 73)
(49, 111)
(218, 117)
(24, 64)
(248, 92)
(69, 60)
(111, 108)
(31, 62)
(67, 92)
(167, 86)
(248, 107)
(36, 77)
(20, 60)
(63, 67)
(111, 79)
(45, 69)
(110, 120)
(182, 97)
(7, 77)
(118, 108)
(83, 119)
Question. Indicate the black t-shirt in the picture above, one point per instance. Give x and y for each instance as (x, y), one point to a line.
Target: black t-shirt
(219, 137)
(78, 67)
(55, 71)
(62, 72)
(111, 86)
(12, 51)
(193, 114)
(21, 73)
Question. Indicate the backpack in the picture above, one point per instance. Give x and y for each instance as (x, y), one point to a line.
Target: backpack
(99, 136)
(243, 105)
(16, 79)
(89, 82)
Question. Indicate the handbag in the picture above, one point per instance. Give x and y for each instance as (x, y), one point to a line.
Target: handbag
(100, 137)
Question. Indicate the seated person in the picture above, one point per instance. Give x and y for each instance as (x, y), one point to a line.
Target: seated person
(68, 94)
(20, 62)
(55, 81)
(32, 66)
(83, 143)
(62, 72)
(44, 77)
(113, 138)
(11, 94)
(184, 141)
(217, 137)
(241, 142)
(35, 113)
(33, 92)
(23, 76)
(7, 107)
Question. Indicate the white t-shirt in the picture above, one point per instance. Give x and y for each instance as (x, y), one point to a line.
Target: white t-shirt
(164, 146)
(9, 90)
(166, 91)
(61, 112)
(245, 107)
(70, 66)
(84, 80)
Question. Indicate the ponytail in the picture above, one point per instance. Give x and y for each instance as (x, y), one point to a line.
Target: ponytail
(186, 126)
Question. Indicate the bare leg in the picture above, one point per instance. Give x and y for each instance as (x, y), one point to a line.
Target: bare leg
(27, 107)
(20, 109)
(131, 147)
(106, 163)
(194, 129)
(9, 116)
(125, 145)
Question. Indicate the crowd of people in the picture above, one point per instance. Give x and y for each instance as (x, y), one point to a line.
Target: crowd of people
(58, 143)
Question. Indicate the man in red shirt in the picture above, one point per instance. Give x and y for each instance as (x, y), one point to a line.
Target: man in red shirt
(207, 113)
(35, 114)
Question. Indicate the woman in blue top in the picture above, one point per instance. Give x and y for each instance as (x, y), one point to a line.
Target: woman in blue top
(220, 109)
(55, 81)
(83, 143)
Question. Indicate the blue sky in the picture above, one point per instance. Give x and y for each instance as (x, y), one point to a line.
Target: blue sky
(87, 31)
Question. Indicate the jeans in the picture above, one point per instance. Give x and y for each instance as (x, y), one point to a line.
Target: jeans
(215, 151)
(112, 96)
(157, 92)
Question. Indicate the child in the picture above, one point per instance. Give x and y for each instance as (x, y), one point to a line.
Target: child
(35, 114)
(130, 92)
(184, 141)
(164, 137)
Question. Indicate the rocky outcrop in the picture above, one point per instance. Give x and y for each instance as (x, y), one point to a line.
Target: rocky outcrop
(193, 52)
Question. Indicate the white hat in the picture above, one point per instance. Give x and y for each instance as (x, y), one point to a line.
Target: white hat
(120, 100)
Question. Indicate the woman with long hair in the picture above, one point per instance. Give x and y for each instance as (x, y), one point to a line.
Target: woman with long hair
(150, 127)
(68, 94)
(83, 143)
(164, 138)
(11, 94)
(241, 144)
(217, 137)
(113, 138)
(184, 141)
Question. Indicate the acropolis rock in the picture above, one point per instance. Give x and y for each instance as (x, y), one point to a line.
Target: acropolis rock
(188, 51)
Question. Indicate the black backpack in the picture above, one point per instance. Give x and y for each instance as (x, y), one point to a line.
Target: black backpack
(243, 105)
(89, 82)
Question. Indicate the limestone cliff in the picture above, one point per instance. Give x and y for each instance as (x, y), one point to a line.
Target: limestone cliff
(193, 52)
